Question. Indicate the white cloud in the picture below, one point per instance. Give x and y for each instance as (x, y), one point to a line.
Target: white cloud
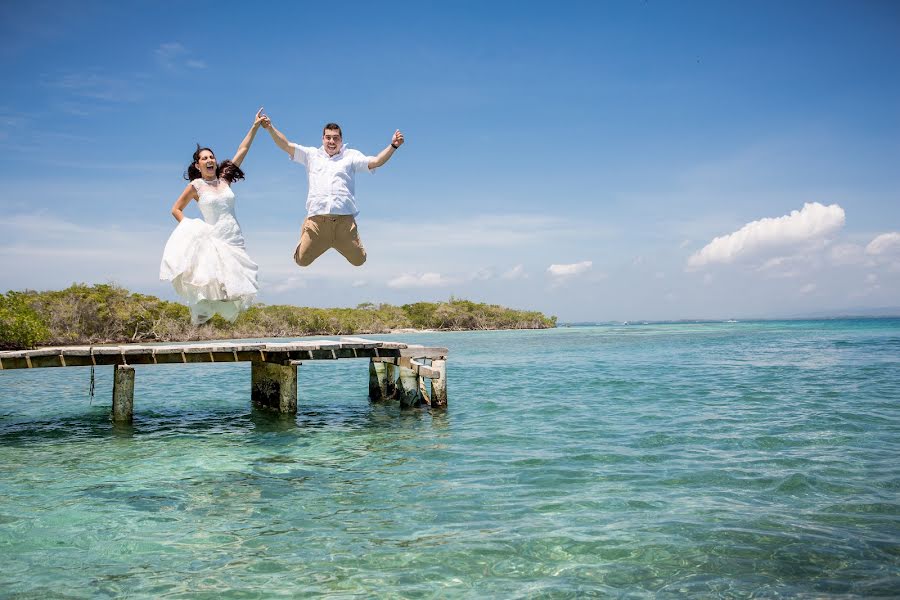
(41, 251)
(813, 221)
(808, 288)
(788, 266)
(884, 244)
(286, 285)
(517, 272)
(847, 254)
(424, 280)
(478, 232)
(359, 283)
(570, 269)
(172, 55)
(95, 86)
(482, 274)
(773, 263)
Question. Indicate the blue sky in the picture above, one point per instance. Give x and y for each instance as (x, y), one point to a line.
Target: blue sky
(595, 161)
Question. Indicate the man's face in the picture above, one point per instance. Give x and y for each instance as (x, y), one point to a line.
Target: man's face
(331, 139)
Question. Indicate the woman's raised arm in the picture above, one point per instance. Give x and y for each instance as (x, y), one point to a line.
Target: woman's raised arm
(248, 139)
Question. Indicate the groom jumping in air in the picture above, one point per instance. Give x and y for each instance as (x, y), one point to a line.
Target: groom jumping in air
(331, 206)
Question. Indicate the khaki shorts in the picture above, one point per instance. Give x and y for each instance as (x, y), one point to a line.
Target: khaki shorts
(321, 232)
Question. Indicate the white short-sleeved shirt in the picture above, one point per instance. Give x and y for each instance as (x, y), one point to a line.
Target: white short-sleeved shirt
(331, 178)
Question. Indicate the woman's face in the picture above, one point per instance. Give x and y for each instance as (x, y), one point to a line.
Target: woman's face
(206, 164)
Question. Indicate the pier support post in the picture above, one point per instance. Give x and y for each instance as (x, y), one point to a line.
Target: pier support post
(377, 381)
(408, 388)
(123, 395)
(390, 381)
(439, 386)
(274, 386)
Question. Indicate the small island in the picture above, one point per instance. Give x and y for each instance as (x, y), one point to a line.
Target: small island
(109, 314)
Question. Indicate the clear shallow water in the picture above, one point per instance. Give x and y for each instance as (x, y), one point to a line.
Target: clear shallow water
(711, 460)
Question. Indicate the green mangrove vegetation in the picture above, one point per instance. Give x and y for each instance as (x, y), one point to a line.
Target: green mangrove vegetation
(108, 313)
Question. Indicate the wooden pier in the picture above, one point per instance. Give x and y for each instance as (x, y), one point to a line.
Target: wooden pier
(396, 370)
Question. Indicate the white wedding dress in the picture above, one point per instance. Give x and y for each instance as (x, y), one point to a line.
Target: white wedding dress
(206, 261)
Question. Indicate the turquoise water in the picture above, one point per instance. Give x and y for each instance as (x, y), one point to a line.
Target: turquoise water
(678, 460)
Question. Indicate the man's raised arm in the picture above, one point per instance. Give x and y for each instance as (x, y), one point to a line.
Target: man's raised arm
(278, 137)
(388, 152)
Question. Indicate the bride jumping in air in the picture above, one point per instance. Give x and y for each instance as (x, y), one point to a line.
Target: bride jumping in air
(205, 259)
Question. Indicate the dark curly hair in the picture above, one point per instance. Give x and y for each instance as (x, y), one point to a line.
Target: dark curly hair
(226, 170)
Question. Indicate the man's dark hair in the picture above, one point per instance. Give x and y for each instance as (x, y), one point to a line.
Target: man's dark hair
(332, 126)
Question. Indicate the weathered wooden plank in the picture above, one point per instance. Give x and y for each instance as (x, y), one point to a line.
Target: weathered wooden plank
(45, 360)
(72, 356)
(424, 352)
(130, 349)
(423, 370)
(75, 350)
(37, 353)
(106, 350)
(304, 346)
(14, 362)
(379, 343)
(359, 343)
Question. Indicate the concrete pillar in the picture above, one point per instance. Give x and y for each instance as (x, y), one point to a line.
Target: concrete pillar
(123, 395)
(390, 381)
(408, 388)
(274, 386)
(423, 391)
(439, 386)
(377, 381)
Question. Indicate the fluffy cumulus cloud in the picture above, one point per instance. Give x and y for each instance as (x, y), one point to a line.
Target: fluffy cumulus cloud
(408, 280)
(886, 243)
(570, 270)
(812, 222)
